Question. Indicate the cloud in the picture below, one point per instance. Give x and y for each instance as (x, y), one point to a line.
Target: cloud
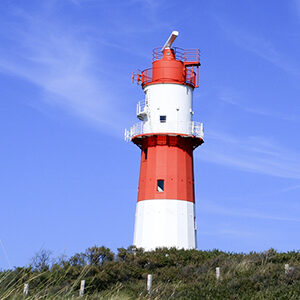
(66, 60)
(291, 188)
(62, 63)
(297, 6)
(252, 154)
(259, 45)
(213, 208)
(227, 232)
(236, 99)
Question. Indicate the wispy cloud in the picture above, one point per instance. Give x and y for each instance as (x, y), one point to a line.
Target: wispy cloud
(259, 45)
(252, 154)
(67, 60)
(61, 62)
(291, 188)
(213, 208)
(237, 99)
(227, 232)
(297, 6)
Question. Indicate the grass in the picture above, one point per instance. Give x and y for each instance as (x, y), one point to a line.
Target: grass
(177, 274)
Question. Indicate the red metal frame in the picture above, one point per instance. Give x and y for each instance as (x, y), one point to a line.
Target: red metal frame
(141, 139)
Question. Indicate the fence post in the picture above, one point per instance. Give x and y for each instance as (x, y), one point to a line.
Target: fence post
(26, 289)
(286, 268)
(81, 291)
(218, 273)
(149, 283)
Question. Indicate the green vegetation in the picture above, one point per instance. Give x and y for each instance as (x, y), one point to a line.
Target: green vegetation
(177, 274)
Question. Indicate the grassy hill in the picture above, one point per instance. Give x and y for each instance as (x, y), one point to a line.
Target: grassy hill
(177, 274)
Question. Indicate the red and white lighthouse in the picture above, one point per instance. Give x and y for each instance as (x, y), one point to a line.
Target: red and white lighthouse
(167, 136)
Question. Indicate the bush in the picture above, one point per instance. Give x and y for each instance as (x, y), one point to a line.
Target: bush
(177, 274)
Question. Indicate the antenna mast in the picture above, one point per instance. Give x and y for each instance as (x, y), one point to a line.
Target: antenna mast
(170, 40)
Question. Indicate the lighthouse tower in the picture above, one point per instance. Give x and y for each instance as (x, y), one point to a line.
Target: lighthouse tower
(167, 136)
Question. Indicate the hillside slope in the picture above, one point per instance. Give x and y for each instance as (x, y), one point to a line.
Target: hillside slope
(177, 274)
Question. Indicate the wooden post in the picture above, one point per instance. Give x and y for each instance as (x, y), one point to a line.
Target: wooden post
(218, 273)
(288, 269)
(149, 283)
(26, 289)
(81, 291)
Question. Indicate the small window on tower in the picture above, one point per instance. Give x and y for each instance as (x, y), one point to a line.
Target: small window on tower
(163, 119)
(160, 185)
(145, 153)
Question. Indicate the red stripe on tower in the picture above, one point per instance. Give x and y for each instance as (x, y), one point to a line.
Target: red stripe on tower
(169, 158)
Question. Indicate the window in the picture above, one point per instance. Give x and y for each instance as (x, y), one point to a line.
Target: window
(160, 185)
(145, 153)
(163, 119)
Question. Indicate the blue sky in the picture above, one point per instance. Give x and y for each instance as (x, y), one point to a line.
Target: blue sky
(67, 178)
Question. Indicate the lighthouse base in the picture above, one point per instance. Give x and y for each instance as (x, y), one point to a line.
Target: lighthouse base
(165, 223)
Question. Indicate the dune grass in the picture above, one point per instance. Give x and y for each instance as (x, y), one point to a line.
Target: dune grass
(177, 274)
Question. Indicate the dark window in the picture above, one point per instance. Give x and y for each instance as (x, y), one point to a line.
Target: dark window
(145, 153)
(160, 185)
(163, 119)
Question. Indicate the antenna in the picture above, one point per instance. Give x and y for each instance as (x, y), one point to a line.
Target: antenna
(170, 40)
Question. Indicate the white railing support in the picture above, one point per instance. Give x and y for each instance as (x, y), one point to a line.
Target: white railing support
(195, 129)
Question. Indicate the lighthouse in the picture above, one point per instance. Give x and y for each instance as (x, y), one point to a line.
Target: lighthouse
(167, 136)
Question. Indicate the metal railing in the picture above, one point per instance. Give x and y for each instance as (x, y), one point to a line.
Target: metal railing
(146, 76)
(134, 130)
(196, 129)
(191, 58)
(190, 76)
(180, 54)
(191, 55)
(142, 109)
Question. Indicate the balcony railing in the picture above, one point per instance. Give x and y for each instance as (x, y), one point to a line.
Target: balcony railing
(190, 57)
(190, 78)
(195, 129)
(180, 54)
(134, 130)
(142, 109)
(146, 76)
